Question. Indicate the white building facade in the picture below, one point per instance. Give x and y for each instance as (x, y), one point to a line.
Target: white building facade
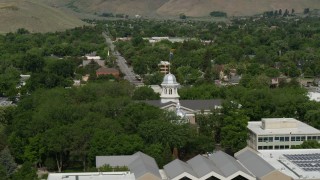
(279, 133)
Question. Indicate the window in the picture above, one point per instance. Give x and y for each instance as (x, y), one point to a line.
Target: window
(282, 147)
(165, 91)
(303, 138)
(260, 139)
(286, 147)
(265, 147)
(270, 139)
(276, 147)
(293, 138)
(259, 147)
(314, 137)
(286, 138)
(298, 138)
(277, 138)
(170, 91)
(281, 139)
(270, 147)
(309, 137)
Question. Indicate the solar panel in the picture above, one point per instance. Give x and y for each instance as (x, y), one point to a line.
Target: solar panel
(307, 162)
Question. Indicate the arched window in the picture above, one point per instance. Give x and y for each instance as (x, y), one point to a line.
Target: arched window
(165, 90)
(170, 91)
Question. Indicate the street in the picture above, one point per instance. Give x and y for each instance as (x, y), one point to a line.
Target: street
(123, 66)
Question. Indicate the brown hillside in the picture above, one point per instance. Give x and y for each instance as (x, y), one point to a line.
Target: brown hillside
(34, 16)
(189, 7)
(233, 7)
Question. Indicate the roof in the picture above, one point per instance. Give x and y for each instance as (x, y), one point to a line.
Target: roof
(138, 163)
(301, 128)
(226, 163)
(169, 79)
(202, 166)
(190, 104)
(107, 70)
(277, 159)
(254, 163)
(178, 167)
(123, 160)
(92, 176)
(144, 164)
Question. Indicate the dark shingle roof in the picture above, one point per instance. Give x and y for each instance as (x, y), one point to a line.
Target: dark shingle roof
(191, 104)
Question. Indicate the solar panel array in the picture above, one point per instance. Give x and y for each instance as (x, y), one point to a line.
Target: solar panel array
(307, 162)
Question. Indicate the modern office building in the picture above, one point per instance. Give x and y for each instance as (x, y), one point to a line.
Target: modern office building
(279, 133)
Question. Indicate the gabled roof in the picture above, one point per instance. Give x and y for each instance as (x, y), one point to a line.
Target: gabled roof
(190, 104)
(227, 164)
(203, 166)
(144, 164)
(178, 167)
(254, 163)
(138, 163)
(114, 161)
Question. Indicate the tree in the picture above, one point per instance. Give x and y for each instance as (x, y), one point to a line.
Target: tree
(58, 143)
(234, 134)
(3, 173)
(182, 16)
(218, 14)
(7, 161)
(310, 144)
(312, 118)
(145, 93)
(27, 171)
(33, 62)
(166, 155)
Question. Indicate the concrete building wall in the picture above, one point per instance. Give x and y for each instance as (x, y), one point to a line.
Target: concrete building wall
(148, 176)
(275, 175)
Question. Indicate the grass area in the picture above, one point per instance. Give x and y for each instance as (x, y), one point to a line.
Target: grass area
(35, 16)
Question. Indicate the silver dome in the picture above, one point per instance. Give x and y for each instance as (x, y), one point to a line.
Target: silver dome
(169, 79)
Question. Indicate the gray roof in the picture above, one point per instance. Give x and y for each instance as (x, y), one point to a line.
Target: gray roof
(114, 161)
(254, 163)
(227, 164)
(144, 164)
(177, 167)
(191, 104)
(202, 166)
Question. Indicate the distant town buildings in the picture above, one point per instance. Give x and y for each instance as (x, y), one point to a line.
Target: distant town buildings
(279, 133)
(92, 56)
(108, 71)
(164, 67)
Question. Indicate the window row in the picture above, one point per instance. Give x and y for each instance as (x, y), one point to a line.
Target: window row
(275, 147)
(287, 138)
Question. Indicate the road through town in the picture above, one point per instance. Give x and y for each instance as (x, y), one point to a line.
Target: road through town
(121, 62)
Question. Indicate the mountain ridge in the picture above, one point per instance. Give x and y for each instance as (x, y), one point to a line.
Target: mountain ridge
(194, 8)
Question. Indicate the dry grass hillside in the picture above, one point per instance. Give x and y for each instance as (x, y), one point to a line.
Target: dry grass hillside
(34, 16)
(233, 7)
(194, 8)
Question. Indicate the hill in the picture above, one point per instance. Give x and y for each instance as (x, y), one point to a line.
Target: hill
(195, 8)
(34, 16)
